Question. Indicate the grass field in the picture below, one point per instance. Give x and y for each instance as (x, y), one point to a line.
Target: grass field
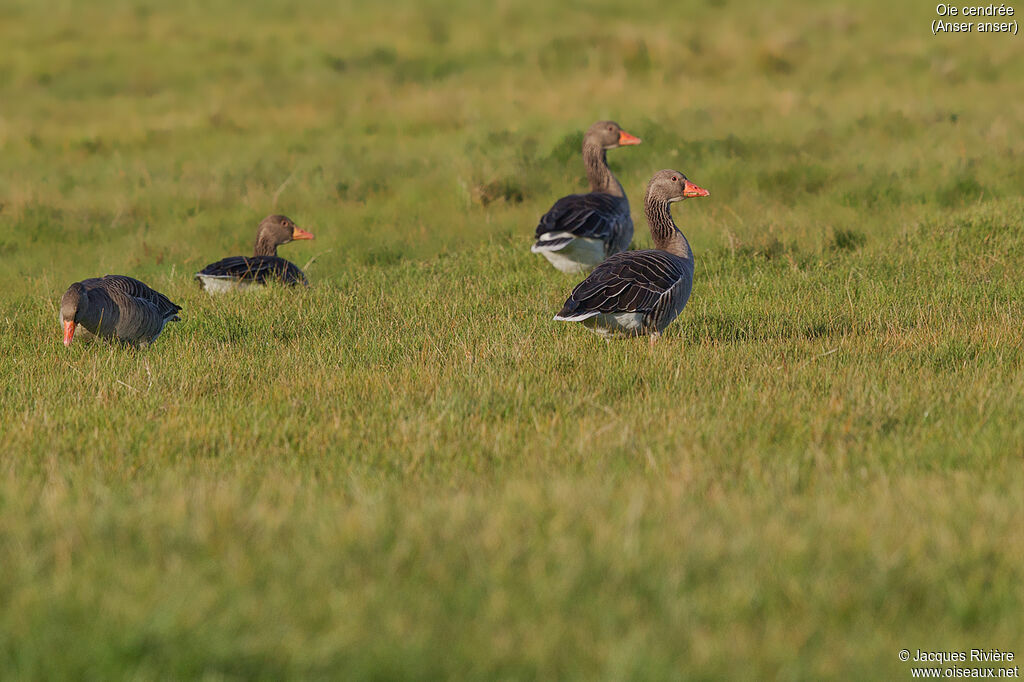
(409, 470)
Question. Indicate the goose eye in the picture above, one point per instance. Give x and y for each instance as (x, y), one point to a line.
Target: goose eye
(675, 179)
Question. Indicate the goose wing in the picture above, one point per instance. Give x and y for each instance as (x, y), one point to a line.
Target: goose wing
(164, 307)
(593, 216)
(633, 281)
(140, 320)
(259, 269)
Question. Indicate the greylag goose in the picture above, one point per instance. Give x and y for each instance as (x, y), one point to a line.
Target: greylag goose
(240, 272)
(581, 230)
(115, 307)
(641, 292)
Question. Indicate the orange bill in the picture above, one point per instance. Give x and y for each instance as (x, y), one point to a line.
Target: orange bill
(692, 190)
(69, 331)
(625, 138)
(299, 233)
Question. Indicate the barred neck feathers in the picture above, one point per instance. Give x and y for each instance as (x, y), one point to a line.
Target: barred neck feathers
(598, 173)
(266, 244)
(666, 235)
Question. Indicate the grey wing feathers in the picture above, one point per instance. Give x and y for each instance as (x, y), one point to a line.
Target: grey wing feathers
(594, 216)
(167, 309)
(634, 281)
(259, 269)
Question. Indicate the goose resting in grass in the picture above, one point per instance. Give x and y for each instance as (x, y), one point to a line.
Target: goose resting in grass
(115, 307)
(641, 292)
(240, 272)
(581, 230)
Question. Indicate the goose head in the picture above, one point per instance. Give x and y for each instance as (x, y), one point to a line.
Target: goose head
(72, 304)
(278, 229)
(670, 186)
(609, 135)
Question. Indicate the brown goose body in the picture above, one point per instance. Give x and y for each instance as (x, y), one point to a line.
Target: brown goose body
(581, 230)
(265, 266)
(639, 293)
(117, 308)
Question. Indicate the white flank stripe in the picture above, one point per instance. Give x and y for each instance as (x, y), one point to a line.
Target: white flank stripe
(541, 247)
(575, 318)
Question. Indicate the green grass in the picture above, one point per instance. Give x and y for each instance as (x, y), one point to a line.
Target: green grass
(409, 470)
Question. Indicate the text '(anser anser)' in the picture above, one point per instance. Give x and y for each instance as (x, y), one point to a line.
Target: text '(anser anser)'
(115, 307)
(239, 272)
(641, 292)
(581, 230)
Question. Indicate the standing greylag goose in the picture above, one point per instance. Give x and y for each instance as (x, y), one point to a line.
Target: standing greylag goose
(581, 230)
(240, 272)
(116, 307)
(641, 292)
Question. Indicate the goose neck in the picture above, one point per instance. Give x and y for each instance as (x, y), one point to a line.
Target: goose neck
(598, 173)
(666, 235)
(264, 246)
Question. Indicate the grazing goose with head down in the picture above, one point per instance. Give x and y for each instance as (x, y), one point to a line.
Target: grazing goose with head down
(240, 272)
(641, 292)
(581, 230)
(115, 307)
